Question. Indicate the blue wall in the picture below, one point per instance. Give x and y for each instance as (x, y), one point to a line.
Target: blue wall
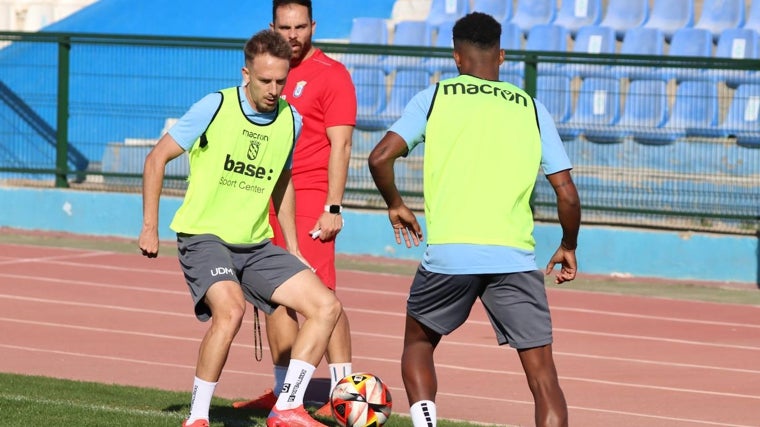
(603, 250)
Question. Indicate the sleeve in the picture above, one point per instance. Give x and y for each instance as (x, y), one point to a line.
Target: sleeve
(413, 121)
(553, 155)
(195, 121)
(340, 99)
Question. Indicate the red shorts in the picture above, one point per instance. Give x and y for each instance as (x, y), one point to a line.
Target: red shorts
(310, 204)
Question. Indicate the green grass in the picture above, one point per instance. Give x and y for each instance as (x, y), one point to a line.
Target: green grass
(41, 401)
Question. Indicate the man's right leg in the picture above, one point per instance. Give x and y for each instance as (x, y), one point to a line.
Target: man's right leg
(418, 371)
(550, 404)
(227, 306)
(282, 329)
(320, 308)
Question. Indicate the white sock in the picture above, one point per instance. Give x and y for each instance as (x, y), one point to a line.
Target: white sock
(201, 400)
(279, 378)
(338, 371)
(298, 377)
(423, 413)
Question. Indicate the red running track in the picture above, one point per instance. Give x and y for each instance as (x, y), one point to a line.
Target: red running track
(623, 360)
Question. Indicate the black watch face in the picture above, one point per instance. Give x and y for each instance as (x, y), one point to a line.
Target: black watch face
(335, 209)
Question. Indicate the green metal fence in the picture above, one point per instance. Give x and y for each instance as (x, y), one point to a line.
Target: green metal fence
(665, 142)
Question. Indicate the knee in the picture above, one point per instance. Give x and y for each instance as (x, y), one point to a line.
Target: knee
(329, 309)
(229, 317)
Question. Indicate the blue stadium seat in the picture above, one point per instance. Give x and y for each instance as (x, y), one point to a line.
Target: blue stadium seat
(511, 39)
(719, 15)
(443, 35)
(694, 112)
(408, 33)
(743, 118)
(646, 105)
(406, 84)
(574, 14)
(555, 93)
(529, 13)
(753, 16)
(671, 15)
(641, 41)
(622, 15)
(366, 30)
(501, 10)
(550, 38)
(591, 39)
(737, 43)
(689, 42)
(598, 106)
(371, 100)
(512, 76)
(412, 33)
(443, 39)
(446, 10)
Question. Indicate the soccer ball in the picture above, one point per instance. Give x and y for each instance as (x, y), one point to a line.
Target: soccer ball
(361, 400)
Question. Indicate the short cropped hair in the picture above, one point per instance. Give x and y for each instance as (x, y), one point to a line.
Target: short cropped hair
(479, 29)
(267, 41)
(280, 3)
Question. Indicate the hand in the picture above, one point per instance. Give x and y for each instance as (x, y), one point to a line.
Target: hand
(328, 225)
(148, 242)
(566, 258)
(405, 224)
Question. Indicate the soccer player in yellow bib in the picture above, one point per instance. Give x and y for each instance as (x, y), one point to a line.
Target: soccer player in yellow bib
(240, 144)
(485, 141)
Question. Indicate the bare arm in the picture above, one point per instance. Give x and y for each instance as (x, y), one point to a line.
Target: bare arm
(284, 203)
(153, 181)
(337, 172)
(381, 161)
(569, 213)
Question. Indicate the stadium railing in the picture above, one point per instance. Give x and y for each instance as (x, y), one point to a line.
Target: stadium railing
(82, 110)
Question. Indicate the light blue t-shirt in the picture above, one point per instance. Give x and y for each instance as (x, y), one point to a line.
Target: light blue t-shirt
(470, 258)
(195, 121)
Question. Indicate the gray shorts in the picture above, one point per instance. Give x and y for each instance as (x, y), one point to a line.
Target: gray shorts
(515, 302)
(259, 269)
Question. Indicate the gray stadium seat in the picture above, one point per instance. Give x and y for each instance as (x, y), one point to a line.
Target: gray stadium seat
(574, 14)
(530, 13)
(671, 15)
(719, 15)
(622, 15)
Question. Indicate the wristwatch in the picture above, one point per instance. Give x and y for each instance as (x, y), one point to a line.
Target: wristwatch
(334, 209)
